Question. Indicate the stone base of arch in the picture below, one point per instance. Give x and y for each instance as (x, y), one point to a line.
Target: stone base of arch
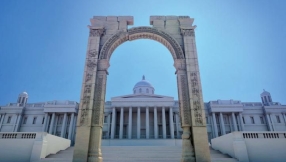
(177, 34)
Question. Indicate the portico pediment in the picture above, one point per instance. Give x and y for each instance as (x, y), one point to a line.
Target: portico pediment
(141, 96)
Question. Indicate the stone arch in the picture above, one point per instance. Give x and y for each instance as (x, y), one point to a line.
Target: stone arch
(177, 34)
(142, 33)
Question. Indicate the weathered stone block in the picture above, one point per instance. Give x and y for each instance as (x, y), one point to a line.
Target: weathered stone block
(171, 17)
(111, 18)
(152, 18)
(100, 18)
(128, 19)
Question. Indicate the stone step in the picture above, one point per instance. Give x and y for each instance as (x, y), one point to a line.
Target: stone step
(137, 153)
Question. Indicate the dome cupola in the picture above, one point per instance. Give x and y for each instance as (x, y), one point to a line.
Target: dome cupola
(266, 98)
(23, 98)
(143, 87)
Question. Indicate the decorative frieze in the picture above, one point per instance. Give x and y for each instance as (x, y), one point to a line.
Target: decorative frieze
(188, 32)
(139, 33)
(96, 32)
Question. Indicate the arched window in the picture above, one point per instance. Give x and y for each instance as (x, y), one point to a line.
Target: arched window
(152, 91)
(147, 90)
(134, 91)
(140, 90)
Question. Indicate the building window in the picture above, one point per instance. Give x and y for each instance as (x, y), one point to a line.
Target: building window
(207, 120)
(147, 90)
(140, 90)
(9, 119)
(261, 120)
(134, 91)
(252, 119)
(243, 120)
(43, 120)
(278, 119)
(34, 120)
(25, 120)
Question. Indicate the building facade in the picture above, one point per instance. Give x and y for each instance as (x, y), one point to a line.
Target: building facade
(54, 117)
(143, 115)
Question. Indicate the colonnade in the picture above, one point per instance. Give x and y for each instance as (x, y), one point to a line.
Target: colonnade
(51, 123)
(236, 120)
(146, 110)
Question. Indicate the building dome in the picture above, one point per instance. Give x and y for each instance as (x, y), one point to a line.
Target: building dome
(23, 98)
(143, 87)
(23, 94)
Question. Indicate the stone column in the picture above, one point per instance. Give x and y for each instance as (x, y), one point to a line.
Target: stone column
(212, 126)
(241, 122)
(171, 122)
(234, 122)
(192, 105)
(155, 123)
(108, 125)
(121, 123)
(15, 124)
(45, 122)
(130, 123)
(147, 123)
(91, 109)
(64, 125)
(74, 129)
(113, 120)
(164, 122)
(48, 122)
(177, 125)
(138, 123)
(229, 118)
(215, 125)
(272, 122)
(2, 119)
(269, 123)
(222, 126)
(284, 117)
(52, 124)
(71, 126)
(18, 123)
(56, 125)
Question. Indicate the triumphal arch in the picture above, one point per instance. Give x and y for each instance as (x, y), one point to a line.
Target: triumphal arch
(177, 34)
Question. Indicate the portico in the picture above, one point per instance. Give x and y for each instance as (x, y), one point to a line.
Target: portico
(131, 118)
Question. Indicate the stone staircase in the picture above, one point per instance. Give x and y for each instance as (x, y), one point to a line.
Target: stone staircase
(137, 153)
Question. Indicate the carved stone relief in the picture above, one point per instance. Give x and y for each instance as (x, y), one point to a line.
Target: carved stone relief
(185, 101)
(139, 33)
(96, 32)
(188, 32)
(96, 108)
(196, 93)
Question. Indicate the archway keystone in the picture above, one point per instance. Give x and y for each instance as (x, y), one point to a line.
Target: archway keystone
(177, 34)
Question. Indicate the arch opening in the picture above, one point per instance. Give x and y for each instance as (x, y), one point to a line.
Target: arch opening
(142, 33)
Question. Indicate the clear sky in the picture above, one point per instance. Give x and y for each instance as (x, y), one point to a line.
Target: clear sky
(241, 48)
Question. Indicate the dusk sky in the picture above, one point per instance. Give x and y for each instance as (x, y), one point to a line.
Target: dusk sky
(241, 48)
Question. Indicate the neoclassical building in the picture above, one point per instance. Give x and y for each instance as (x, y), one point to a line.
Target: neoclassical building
(54, 117)
(143, 115)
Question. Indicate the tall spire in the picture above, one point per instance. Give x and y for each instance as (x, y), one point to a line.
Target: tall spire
(143, 77)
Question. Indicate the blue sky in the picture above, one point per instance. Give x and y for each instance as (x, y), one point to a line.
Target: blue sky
(241, 48)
